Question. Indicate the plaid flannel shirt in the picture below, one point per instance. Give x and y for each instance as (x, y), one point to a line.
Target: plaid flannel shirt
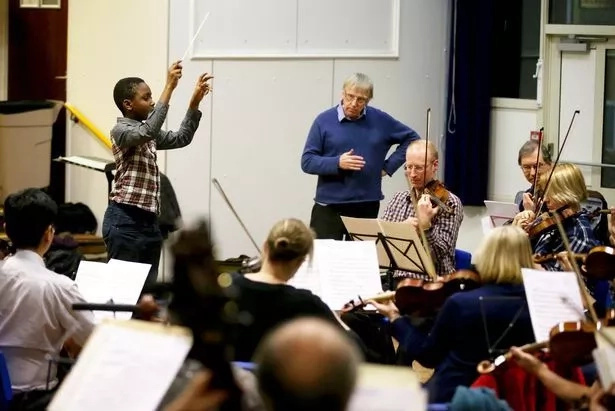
(580, 234)
(442, 236)
(134, 145)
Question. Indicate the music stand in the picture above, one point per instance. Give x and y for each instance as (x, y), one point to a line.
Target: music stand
(397, 244)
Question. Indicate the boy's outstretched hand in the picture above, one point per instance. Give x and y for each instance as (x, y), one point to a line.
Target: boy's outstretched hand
(201, 90)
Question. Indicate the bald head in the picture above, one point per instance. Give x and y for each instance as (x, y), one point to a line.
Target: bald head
(307, 364)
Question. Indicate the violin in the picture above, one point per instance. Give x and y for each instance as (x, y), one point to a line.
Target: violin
(438, 194)
(546, 222)
(570, 344)
(597, 263)
(418, 296)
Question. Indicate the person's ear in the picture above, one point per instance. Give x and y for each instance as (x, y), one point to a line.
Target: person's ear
(436, 163)
(127, 104)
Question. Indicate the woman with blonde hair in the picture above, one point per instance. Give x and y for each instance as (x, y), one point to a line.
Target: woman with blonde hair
(564, 195)
(473, 325)
(265, 298)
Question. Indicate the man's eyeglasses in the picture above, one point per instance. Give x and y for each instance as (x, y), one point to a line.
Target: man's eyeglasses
(527, 168)
(352, 98)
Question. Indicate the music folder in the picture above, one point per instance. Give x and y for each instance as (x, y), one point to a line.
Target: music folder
(500, 212)
(397, 244)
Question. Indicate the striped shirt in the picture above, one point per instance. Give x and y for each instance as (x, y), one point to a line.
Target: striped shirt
(442, 236)
(134, 145)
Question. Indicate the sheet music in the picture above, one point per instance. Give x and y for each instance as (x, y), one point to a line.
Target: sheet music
(307, 278)
(348, 269)
(89, 162)
(500, 212)
(552, 297)
(367, 229)
(119, 281)
(604, 356)
(340, 271)
(387, 388)
(125, 365)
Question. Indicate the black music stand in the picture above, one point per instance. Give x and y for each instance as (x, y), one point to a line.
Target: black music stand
(397, 245)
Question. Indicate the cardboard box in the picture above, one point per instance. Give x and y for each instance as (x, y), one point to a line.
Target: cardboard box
(25, 149)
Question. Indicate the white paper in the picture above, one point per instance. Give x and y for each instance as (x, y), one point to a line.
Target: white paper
(500, 212)
(486, 224)
(98, 164)
(340, 271)
(552, 297)
(387, 388)
(118, 281)
(348, 269)
(604, 357)
(125, 365)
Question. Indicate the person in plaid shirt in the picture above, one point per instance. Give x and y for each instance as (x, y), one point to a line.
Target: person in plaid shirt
(130, 226)
(564, 195)
(441, 227)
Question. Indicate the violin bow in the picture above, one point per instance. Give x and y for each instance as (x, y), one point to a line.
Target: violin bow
(430, 267)
(537, 163)
(538, 205)
(218, 187)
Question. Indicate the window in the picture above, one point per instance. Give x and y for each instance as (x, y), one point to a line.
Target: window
(47, 4)
(515, 48)
(608, 128)
(585, 12)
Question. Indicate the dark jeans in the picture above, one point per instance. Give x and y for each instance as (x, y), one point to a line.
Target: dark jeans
(326, 221)
(132, 234)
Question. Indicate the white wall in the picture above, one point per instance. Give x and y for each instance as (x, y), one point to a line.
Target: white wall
(256, 121)
(105, 45)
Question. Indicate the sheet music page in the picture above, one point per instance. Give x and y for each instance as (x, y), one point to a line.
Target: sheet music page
(552, 297)
(604, 356)
(367, 229)
(387, 388)
(127, 280)
(347, 269)
(307, 278)
(125, 365)
(92, 280)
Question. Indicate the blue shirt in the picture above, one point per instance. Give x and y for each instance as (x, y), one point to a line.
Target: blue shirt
(370, 136)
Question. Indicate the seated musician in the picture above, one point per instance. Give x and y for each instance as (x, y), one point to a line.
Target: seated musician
(440, 226)
(267, 297)
(564, 195)
(531, 163)
(35, 303)
(468, 324)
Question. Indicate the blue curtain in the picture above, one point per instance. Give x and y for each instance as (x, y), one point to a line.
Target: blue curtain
(466, 165)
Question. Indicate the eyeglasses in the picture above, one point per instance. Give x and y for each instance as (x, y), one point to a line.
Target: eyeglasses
(419, 169)
(352, 98)
(527, 168)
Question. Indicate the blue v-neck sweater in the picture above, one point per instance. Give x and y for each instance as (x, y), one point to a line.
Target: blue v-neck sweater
(371, 136)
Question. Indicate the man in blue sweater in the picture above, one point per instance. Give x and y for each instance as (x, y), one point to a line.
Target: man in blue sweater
(347, 147)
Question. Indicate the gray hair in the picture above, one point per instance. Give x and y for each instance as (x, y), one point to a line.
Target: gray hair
(529, 147)
(360, 81)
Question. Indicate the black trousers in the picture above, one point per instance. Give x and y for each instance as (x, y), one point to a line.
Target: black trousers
(326, 221)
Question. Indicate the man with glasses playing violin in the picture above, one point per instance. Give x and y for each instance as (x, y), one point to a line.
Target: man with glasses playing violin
(438, 212)
(532, 163)
(347, 149)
